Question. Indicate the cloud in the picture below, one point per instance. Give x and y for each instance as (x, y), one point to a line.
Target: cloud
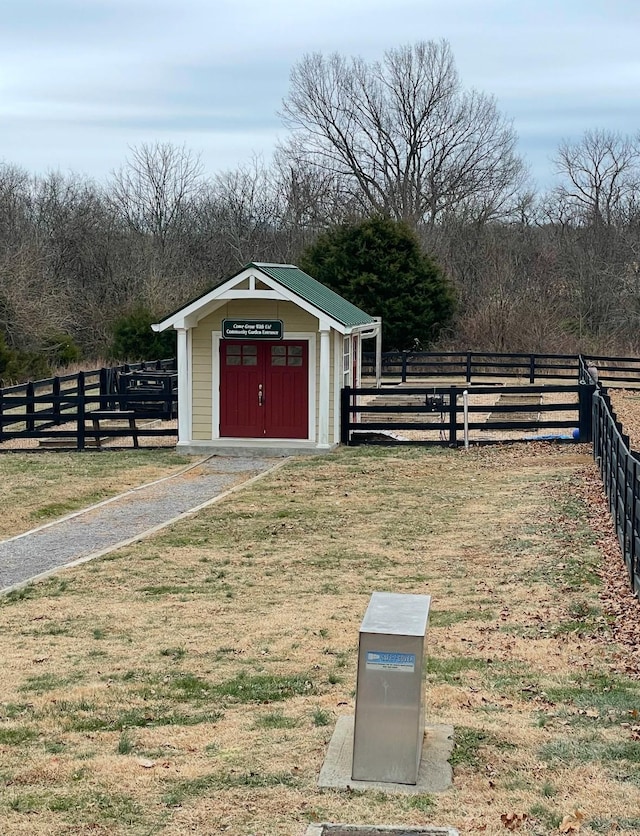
(80, 81)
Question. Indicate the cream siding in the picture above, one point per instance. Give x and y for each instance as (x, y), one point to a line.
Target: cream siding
(293, 317)
(332, 409)
(201, 377)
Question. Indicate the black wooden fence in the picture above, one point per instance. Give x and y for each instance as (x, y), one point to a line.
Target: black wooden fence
(63, 408)
(402, 366)
(619, 469)
(444, 416)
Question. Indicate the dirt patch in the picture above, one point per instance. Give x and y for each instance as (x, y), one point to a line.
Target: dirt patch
(516, 400)
(626, 404)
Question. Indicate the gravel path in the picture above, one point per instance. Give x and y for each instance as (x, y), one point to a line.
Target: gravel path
(124, 518)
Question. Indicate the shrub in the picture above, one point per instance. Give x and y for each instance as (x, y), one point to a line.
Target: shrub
(133, 338)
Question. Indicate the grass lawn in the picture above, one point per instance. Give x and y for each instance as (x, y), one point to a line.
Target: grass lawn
(36, 488)
(190, 683)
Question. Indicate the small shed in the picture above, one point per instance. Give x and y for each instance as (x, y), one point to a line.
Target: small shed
(262, 358)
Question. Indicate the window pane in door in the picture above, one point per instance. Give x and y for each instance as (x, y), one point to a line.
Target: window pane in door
(278, 355)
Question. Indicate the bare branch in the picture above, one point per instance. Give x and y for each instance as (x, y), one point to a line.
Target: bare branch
(403, 137)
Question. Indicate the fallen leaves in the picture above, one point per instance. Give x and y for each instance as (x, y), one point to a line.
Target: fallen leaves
(513, 821)
(145, 763)
(572, 822)
(620, 605)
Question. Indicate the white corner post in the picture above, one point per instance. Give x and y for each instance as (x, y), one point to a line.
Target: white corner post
(378, 319)
(324, 388)
(184, 385)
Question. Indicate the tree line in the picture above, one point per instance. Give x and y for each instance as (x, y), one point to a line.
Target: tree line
(401, 140)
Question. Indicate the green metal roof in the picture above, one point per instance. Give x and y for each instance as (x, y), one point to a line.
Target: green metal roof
(311, 290)
(299, 283)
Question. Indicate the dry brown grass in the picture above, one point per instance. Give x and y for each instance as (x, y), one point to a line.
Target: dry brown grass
(38, 487)
(122, 707)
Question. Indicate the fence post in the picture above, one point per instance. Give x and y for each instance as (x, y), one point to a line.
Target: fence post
(30, 407)
(453, 417)
(629, 481)
(55, 400)
(596, 426)
(629, 478)
(468, 374)
(1, 416)
(532, 368)
(404, 366)
(112, 388)
(104, 389)
(633, 556)
(81, 411)
(123, 389)
(585, 413)
(168, 397)
(345, 415)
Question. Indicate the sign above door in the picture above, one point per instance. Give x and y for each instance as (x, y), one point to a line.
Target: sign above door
(252, 329)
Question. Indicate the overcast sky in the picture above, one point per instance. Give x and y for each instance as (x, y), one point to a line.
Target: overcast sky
(83, 81)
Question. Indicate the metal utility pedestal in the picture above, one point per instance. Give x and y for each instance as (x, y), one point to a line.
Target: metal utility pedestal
(389, 720)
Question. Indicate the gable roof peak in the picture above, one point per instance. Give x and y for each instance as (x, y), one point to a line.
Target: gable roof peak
(299, 286)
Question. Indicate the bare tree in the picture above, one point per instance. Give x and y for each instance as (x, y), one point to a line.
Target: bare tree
(590, 221)
(601, 176)
(403, 136)
(15, 187)
(152, 191)
(246, 208)
(31, 307)
(312, 199)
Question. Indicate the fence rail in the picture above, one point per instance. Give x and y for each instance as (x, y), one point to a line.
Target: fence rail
(447, 414)
(402, 366)
(620, 473)
(60, 407)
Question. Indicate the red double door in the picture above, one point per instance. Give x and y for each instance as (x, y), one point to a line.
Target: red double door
(264, 389)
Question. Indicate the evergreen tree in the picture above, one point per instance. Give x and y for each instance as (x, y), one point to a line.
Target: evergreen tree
(378, 265)
(133, 338)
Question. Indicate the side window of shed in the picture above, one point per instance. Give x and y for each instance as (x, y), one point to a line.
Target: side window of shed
(346, 361)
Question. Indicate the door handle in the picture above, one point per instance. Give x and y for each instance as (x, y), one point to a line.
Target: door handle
(260, 394)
